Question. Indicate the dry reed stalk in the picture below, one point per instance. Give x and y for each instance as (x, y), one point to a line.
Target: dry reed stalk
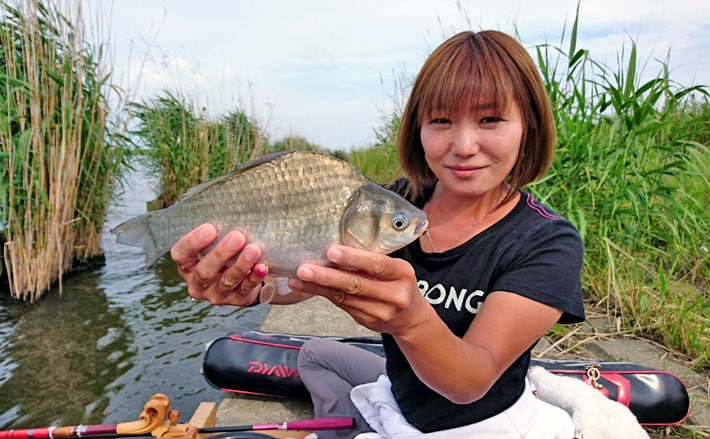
(46, 230)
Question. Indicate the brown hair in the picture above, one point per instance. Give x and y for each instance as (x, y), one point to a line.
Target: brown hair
(471, 69)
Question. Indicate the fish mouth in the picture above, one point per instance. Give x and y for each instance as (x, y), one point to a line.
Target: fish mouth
(421, 226)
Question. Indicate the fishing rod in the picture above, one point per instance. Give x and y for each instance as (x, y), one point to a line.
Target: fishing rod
(158, 421)
(303, 425)
(151, 418)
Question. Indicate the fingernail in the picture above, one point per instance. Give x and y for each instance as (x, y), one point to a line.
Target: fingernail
(233, 242)
(305, 273)
(261, 271)
(205, 231)
(334, 254)
(250, 254)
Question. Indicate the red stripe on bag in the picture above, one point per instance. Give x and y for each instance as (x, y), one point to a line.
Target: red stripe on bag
(264, 343)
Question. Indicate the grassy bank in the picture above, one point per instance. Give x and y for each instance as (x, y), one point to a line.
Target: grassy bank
(58, 164)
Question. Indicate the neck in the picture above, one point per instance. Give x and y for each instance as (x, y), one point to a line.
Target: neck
(453, 205)
(453, 220)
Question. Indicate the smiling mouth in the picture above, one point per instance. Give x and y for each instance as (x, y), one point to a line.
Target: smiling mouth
(465, 168)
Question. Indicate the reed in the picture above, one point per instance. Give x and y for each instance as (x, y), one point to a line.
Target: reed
(380, 162)
(184, 147)
(631, 172)
(57, 161)
(295, 143)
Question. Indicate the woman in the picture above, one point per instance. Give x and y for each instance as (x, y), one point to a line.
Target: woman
(461, 308)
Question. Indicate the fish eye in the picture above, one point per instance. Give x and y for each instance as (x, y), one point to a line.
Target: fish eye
(399, 221)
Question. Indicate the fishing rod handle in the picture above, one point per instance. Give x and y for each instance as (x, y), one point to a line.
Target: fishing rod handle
(305, 425)
(319, 424)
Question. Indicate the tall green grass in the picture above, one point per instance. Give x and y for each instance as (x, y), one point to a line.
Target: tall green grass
(380, 162)
(58, 162)
(631, 171)
(185, 147)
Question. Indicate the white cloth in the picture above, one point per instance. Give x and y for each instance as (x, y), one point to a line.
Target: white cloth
(527, 418)
(594, 415)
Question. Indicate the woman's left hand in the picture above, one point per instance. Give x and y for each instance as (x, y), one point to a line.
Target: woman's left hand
(378, 291)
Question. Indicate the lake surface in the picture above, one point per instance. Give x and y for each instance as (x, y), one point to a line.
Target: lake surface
(115, 336)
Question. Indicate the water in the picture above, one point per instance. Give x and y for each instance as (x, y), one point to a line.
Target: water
(114, 337)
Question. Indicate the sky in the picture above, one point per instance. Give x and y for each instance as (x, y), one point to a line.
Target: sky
(331, 70)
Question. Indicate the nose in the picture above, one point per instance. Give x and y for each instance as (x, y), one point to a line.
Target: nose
(466, 140)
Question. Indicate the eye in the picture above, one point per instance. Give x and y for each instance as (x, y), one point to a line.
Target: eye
(399, 221)
(491, 120)
(440, 121)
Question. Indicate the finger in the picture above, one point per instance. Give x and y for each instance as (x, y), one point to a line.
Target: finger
(239, 272)
(259, 272)
(331, 283)
(325, 281)
(312, 288)
(253, 285)
(213, 263)
(375, 264)
(185, 252)
(338, 297)
(255, 279)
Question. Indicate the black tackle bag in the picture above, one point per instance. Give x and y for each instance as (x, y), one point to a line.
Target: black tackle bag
(264, 364)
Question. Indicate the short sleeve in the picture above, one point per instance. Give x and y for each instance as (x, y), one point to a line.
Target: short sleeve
(545, 265)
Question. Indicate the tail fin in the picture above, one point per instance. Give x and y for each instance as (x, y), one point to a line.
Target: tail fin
(136, 232)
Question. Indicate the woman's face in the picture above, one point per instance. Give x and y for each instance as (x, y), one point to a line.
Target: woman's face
(472, 152)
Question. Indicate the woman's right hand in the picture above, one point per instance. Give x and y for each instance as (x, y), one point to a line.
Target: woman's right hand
(228, 274)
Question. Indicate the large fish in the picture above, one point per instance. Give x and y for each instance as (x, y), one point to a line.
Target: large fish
(292, 204)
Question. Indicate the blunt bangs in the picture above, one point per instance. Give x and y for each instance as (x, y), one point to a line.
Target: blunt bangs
(470, 75)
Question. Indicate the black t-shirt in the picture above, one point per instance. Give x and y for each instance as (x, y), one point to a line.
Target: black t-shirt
(532, 252)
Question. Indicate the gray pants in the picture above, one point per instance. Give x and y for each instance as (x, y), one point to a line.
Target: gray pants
(330, 369)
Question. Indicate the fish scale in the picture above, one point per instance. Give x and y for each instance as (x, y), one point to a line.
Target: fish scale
(293, 205)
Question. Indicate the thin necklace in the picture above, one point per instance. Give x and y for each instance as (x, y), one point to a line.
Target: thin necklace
(456, 241)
